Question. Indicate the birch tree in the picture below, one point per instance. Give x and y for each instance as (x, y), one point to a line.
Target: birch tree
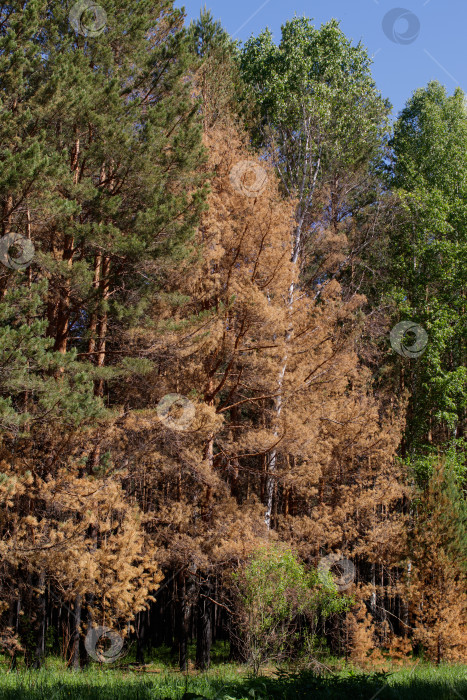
(321, 119)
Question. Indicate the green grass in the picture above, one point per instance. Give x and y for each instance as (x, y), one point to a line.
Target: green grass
(228, 682)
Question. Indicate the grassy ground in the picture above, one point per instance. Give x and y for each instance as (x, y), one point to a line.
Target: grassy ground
(230, 682)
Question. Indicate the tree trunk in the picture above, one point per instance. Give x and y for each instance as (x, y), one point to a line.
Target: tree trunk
(42, 618)
(93, 319)
(272, 465)
(184, 624)
(204, 630)
(140, 636)
(62, 325)
(103, 320)
(75, 660)
(405, 606)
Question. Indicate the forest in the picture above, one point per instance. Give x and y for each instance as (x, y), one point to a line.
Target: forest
(233, 344)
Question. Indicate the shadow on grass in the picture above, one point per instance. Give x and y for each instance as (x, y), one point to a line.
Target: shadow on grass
(356, 687)
(285, 687)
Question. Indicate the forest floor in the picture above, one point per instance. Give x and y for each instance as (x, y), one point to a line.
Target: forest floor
(418, 681)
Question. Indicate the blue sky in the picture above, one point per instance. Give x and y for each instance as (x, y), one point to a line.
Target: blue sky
(424, 40)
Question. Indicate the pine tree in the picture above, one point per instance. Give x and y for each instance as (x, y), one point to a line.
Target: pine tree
(439, 554)
(100, 153)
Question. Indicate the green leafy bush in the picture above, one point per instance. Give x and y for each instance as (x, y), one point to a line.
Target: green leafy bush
(278, 602)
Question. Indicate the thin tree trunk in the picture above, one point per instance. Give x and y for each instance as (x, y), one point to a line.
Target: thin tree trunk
(103, 321)
(42, 617)
(272, 465)
(75, 662)
(93, 319)
(204, 629)
(6, 228)
(140, 637)
(63, 314)
(373, 593)
(404, 603)
(184, 624)
(62, 325)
